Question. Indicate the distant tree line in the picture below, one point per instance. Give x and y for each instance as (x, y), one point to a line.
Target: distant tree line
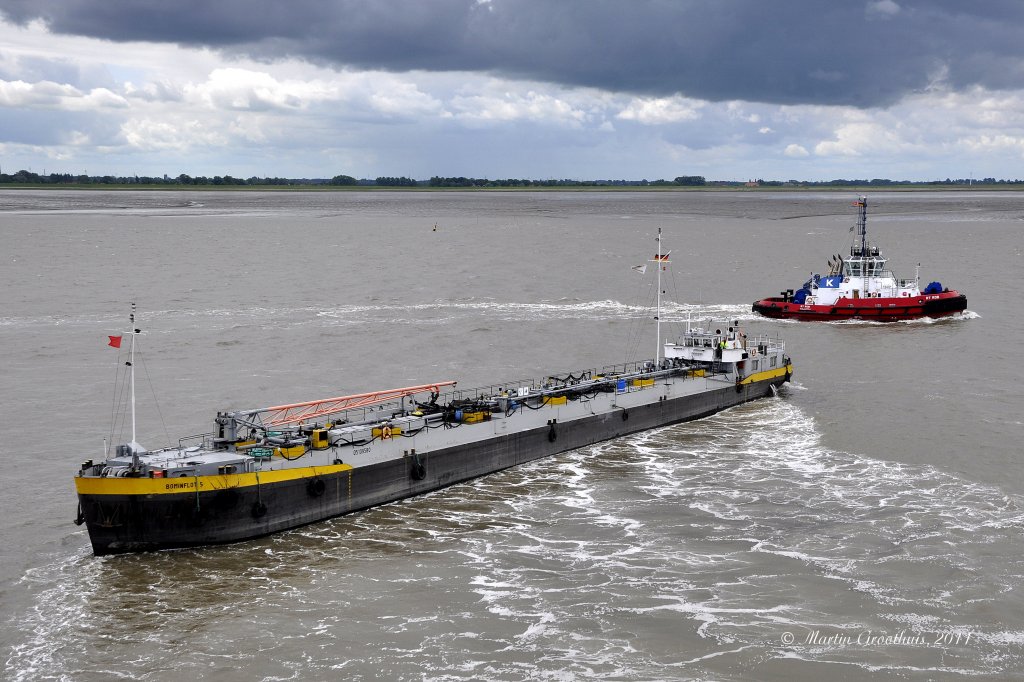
(881, 182)
(28, 177)
(396, 182)
(691, 180)
(460, 181)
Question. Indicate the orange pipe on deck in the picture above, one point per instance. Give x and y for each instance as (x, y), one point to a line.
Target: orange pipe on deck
(299, 412)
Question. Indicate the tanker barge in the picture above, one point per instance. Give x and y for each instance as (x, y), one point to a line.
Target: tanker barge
(266, 470)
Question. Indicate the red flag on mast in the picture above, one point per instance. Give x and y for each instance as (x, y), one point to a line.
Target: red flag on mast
(115, 341)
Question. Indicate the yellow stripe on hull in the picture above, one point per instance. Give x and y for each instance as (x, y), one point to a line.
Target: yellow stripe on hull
(768, 375)
(187, 484)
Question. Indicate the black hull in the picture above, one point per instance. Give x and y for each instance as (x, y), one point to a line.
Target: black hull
(945, 306)
(134, 523)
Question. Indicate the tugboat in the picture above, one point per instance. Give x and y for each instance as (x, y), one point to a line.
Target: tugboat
(270, 469)
(859, 287)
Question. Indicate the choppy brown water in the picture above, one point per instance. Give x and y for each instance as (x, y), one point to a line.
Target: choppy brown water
(880, 494)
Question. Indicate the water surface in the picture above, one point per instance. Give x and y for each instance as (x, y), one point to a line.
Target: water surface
(879, 494)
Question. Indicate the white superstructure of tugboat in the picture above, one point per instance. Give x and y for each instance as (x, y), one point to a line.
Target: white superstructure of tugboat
(270, 469)
(860, 286)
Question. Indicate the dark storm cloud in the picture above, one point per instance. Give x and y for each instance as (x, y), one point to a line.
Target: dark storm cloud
(862, 53)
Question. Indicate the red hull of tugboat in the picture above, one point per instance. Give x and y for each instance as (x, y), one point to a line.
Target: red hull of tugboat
(875, 309)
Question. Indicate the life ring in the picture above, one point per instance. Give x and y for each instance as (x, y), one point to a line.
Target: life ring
(259, 510)
(316, 487)
(385, 433)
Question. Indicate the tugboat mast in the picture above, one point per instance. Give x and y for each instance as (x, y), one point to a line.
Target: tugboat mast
(862, 224)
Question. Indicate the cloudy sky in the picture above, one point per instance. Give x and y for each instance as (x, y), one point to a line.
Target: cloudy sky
(584, 89)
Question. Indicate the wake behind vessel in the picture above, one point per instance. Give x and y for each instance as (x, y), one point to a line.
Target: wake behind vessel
(859, 286)
(270, 469)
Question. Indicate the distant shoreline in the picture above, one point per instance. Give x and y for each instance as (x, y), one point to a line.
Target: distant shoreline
(874, 189)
